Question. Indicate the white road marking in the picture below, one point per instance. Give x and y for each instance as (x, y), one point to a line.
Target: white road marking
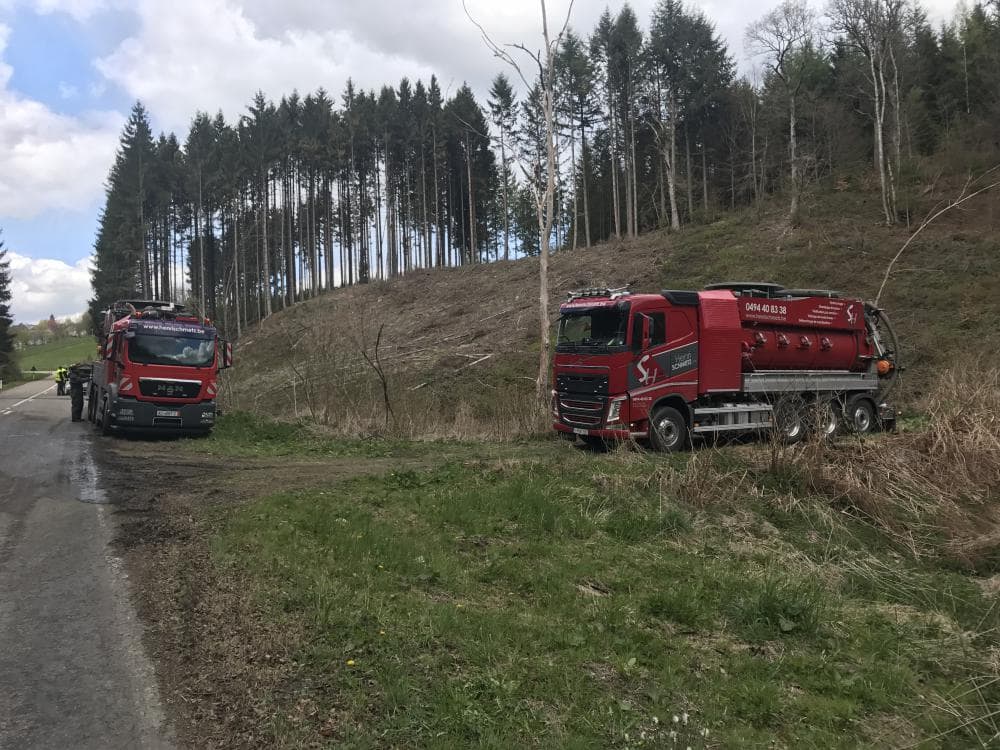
(29, 398)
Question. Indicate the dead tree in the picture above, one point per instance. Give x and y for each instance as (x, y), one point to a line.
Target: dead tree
(543, 187)
(376, 364)
(873, 27)
(781, 37)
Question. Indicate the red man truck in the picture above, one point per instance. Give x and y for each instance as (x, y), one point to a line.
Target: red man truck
(158, 370)
(735, 357)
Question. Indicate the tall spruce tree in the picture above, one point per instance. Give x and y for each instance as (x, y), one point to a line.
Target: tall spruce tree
(122, 266)
(503, 113)
(8, 365)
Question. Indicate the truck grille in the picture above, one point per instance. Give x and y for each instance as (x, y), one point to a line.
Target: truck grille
(590, 384)
(169, 388)
(580, 412)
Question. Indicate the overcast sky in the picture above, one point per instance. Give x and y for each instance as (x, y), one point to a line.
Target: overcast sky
(70, 70)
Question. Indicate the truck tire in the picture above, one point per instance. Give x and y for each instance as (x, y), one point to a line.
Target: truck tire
(668, 430)
(790, 422)
(860, 415)
(105, 417)
(828, 418)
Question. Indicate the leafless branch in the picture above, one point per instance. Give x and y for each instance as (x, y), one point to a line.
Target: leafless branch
(935, 214)
(375, 363)
(495, 48)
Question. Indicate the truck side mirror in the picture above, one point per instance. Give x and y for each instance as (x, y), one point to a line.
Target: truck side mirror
(646, 333)
(109, 347)
(227, 355)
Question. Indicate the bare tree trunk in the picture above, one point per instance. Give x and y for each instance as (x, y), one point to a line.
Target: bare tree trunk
(423, 204)
(753, 151)
(586, 202)
(236, 268)
(614, 168)
(576, 193)
(793, 211)
(546, 214)
(505, 178)
(704, 179)
(669, 148)
(201, 251)
(879, 137)
(635, 183)
(267, 260)
(472, 205)
(687, 175)
(378, 209)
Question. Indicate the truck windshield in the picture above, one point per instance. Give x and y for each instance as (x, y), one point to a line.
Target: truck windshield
(171, 350)
(594, 327)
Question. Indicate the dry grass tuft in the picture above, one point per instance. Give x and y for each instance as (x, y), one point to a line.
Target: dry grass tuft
(932, 489)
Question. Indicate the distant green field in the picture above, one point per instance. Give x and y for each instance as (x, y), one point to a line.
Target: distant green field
(51, 356)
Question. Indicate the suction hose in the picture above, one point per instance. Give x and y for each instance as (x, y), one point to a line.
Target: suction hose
(886, 346)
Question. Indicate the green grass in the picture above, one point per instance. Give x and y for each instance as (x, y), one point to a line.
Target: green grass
(243, 434)
(570, 604)
(58, 353)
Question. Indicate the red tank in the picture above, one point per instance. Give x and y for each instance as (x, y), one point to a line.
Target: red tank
(799, 330)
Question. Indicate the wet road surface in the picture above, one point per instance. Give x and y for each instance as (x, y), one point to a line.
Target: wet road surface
(72, 670)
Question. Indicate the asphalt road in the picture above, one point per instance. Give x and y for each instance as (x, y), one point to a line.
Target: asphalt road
(72, 669)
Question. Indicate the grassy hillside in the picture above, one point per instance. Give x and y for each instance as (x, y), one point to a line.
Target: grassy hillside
(459, 346)
(52, 355)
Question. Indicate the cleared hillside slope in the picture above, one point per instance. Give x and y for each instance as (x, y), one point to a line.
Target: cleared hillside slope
(459, 346)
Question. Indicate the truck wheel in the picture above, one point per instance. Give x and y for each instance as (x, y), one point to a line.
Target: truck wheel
(668, 430)
(861, 415)
(828, 418)
(789, 420)
(105, 417)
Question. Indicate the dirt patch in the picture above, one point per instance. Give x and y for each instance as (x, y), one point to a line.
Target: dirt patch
(216, 654)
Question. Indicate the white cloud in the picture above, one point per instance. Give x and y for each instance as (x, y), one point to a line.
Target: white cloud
(68, 91)
(48, 160)
(79, 9)
(41, 287)
(208, 55)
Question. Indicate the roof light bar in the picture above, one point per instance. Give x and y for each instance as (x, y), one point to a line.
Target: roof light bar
(598, 292)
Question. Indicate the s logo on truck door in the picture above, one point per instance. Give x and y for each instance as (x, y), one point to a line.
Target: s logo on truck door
(645, 376)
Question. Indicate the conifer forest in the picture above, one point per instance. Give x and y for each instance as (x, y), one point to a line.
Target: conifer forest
(656, 127)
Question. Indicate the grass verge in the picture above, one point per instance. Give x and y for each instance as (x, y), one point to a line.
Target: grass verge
(583, 603)
(244, 434)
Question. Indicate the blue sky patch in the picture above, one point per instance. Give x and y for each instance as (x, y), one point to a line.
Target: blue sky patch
(53, 57)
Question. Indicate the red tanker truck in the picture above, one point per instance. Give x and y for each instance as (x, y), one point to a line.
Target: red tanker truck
(158, 370)
(735, 357)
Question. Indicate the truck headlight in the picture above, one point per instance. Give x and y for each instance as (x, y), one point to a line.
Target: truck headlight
(615, 410)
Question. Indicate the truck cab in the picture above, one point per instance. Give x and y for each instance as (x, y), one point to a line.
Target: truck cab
(158, 370)
(614, 352)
